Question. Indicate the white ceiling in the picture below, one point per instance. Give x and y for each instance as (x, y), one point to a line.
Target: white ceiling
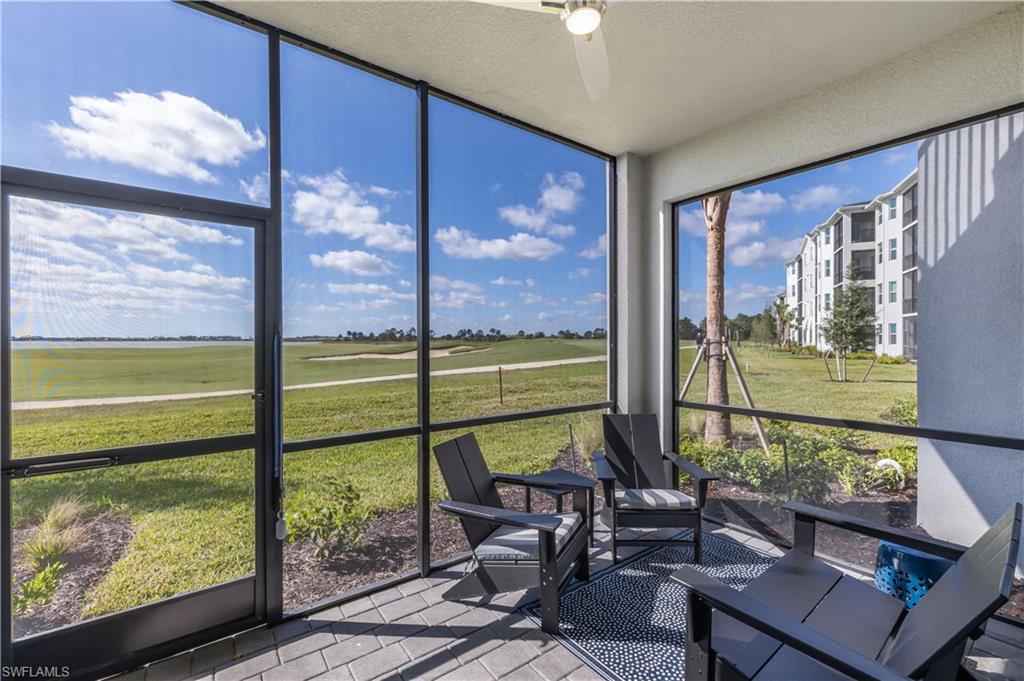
(678, 69)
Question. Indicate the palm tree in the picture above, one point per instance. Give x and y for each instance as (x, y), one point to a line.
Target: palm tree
(785, 317)
(718, 426)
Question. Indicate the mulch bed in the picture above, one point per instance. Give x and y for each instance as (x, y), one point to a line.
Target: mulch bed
(105, 543)
(388, 548)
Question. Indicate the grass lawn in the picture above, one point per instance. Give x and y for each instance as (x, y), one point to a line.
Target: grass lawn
(780, 381)
(193, 518)
(62, 373)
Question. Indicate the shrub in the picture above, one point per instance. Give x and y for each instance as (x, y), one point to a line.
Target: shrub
(851, 471)
(328, 515)
(904, 455)
(903, 411)
(38, 590)
(861, 354)
(800, 350)
(890, 475)
(58, 533)
(892, 359)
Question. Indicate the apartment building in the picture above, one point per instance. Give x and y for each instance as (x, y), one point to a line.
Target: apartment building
(880, 237)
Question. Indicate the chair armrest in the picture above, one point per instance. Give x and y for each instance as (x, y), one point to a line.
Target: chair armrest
(692, 469)
(501, 516)
(784, 629)
(602, 467)
(807, 514)
(511, 479)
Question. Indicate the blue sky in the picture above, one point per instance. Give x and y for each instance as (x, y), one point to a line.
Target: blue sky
(162, 96)
(766, 222)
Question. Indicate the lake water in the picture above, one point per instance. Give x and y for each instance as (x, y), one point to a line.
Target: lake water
(152, 344)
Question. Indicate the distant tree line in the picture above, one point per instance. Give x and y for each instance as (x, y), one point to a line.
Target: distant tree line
(492, 335)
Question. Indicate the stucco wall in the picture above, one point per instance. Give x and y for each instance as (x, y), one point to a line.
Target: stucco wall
(971, 324)
(972, 71)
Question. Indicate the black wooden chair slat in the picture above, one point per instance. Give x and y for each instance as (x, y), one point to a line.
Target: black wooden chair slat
(928, 642)
(476, 503)
(972, 589)
(633, 453)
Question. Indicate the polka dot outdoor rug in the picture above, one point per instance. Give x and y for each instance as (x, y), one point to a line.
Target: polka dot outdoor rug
(627, 623)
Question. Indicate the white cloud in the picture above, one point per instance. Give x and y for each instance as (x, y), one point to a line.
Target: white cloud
(383, 192)
(736, 230)
(506, 318)
(206, 278)
(257, 189)
(746, 204)
(330, 204)
(456, 299)
(169, 134)
(559, 196)
(748, 292)
(759, 253)
(594, 298)
(439, 282)
(369, 289)
(130, 234)
(405, 283)
(354, 262)
(818, 196)
(580, 273)
(598, 250)
(459, 243)
(505, 281)
(531, 298)
(687, 296)
(545, 316)
(530, 281)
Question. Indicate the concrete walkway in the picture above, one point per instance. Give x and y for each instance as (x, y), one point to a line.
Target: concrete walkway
(133, 399)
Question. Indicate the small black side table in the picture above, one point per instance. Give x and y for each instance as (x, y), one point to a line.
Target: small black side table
(557, 482)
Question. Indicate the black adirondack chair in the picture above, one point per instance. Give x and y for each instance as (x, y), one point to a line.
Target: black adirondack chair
(513, 550)
(637, 478)
(803, 619)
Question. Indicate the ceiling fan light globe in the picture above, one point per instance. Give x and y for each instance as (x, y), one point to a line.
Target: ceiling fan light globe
(582, 20)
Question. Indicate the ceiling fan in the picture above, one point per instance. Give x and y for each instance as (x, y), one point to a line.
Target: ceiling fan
(582, 18)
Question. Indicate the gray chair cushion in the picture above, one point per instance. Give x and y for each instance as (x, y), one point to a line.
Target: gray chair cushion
(653, 499)
(513, 543)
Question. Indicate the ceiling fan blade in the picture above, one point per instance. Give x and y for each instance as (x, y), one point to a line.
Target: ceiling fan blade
(592, 58)
(528, 5)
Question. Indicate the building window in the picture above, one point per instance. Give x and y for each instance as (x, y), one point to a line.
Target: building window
(792, 291)
(862, 229)
(878, 334)
(879, 251)
(828, 269)
(892, 249)
(828, 234)
(892, 208)
(892, 333)
(879, 287)
(828, 301)
(892, 291)
(879, 214)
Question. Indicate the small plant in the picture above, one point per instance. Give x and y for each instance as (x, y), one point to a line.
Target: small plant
(330, 520)
(863, 354)
(58, 533)
(890, 475)
(892, 359)
(589, 437)
(903, 411)
(38, 590)
(904, 455)
(851, 471)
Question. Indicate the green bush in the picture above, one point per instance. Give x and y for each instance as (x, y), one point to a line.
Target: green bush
(39, 590)
(801, 350)
(850, 469)
(329, 516)
(890, 475)
(861, 354)
(892, 359)
(903, 411)
(904, 455)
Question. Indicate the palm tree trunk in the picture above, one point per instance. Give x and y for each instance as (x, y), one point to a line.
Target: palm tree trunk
(718, 426)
